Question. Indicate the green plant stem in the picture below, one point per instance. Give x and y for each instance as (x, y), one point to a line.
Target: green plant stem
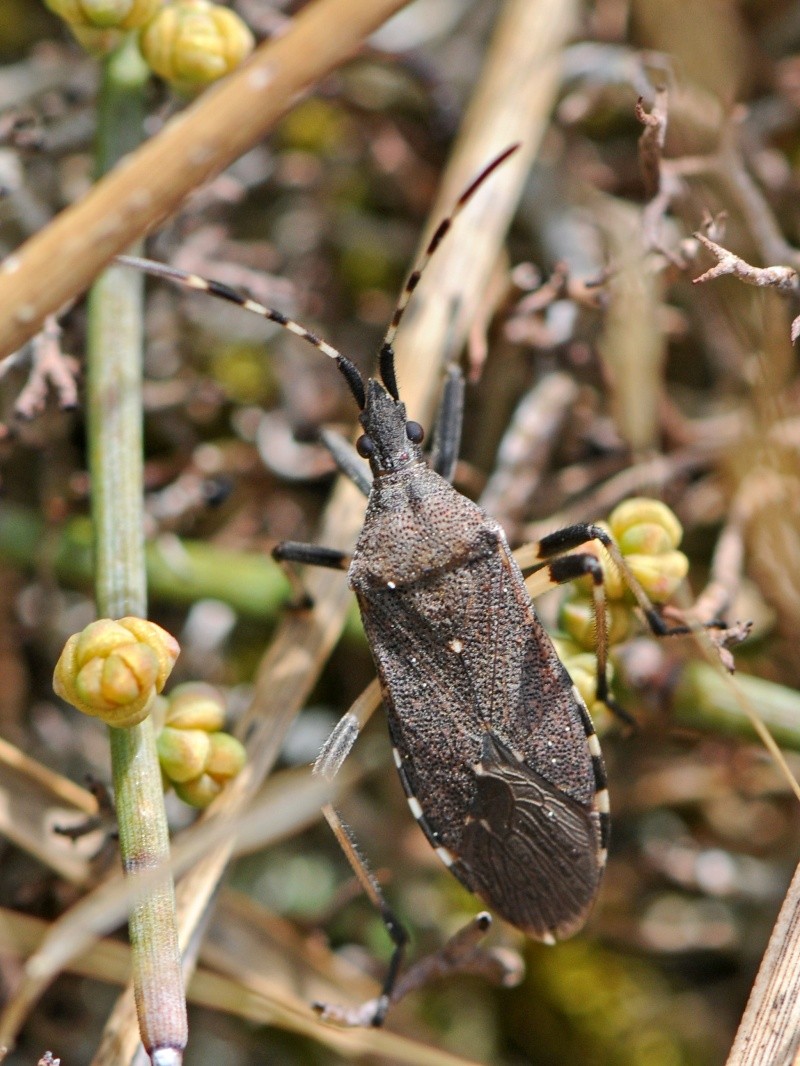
(705, 699)
(179, 571)
(114, 413)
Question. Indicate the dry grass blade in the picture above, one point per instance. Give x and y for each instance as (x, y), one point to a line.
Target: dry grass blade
(32, 800)
(289, 804)
(255, 999)
(770, 1028)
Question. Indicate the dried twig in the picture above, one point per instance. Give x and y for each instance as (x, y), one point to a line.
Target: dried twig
(49, 366)
(60, 261)
(782, 278)
(785, 279)
(651, 142)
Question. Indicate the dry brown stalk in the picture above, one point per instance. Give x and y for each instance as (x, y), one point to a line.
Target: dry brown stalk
(146, 187)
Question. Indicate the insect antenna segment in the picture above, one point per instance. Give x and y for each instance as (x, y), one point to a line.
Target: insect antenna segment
(386, 354)
(347, 368)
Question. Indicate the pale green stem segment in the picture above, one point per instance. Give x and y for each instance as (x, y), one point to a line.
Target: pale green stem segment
(704, 698)
(114, 414)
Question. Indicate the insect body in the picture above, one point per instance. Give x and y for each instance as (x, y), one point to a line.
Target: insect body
(494, 747)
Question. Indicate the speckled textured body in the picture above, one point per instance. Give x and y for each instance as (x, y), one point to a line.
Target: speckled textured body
(494, 747)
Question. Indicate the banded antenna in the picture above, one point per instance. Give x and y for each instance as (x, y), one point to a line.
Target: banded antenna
(386, 354)
(347, 368)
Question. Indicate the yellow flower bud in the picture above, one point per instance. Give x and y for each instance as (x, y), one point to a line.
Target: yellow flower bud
(576, 617)
(226, 757)
(645, 539)
(105, 14)
(659, 575)
(198, 792)
(195, 705)
(642, 511)
(183, 753)
(114, 669)
(196, 757)
(191, 43)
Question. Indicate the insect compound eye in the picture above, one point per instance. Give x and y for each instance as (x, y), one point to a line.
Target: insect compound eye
(415, 432)
(365, 446)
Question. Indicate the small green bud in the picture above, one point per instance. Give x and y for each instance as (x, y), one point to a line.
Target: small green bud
(196, 757)
(183, 753)
(226, 757)
(642, 511)
(198, 792)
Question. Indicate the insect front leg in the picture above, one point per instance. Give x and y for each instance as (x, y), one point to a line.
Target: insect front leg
(552, 561)
(347, 460)
(291, 552)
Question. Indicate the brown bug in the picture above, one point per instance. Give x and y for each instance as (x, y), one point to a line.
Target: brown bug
(493, 744)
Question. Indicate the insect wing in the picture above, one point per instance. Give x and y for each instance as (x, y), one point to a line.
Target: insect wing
(528, 847)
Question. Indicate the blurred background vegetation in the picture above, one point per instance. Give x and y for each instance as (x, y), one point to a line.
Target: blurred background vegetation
(681, 391)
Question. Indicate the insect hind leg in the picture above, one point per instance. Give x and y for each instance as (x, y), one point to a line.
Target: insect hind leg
(327, 765)
(374, 1011)
(463, 953)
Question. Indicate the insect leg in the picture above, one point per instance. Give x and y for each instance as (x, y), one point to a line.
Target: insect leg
(447, 432)
(564, 567)
(374, 1012)
(328, 763)
(534, 557)
(291, 551)
(347, 460)
(345, 733)
(351, 465)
